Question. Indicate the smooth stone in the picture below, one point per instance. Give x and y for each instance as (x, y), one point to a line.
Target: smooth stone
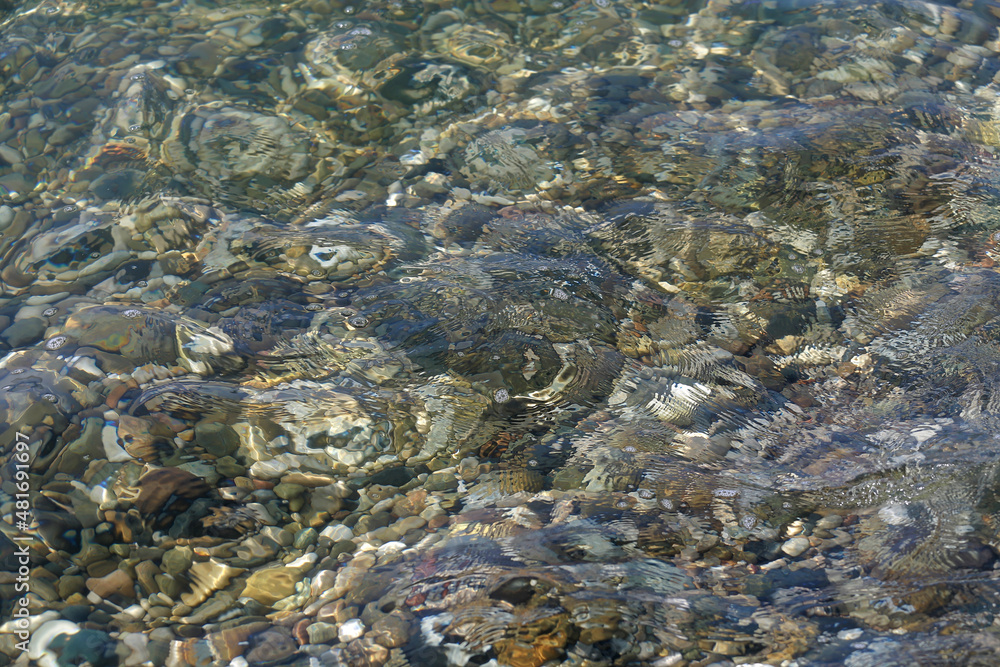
(217, 439)
(145, 574)
(305, 538)
(24, 332)
(320, 632)
(338, 532)
(229, 467)
(310, 480)
(398, 476)
(287, 491)
(370, 522)
(116, 583)
(70, 584)
(43, 635)
(351, 630)
(90, 552)
(441, 482)
(279, 535)
(16, 183)
(66, 133)
(101, 568)
(177, 561)
(269, 586)
(391, 631)
(270, 648)
(217, 605)
(342, 547)
(796, 546)
(169, 586)
(162, 635)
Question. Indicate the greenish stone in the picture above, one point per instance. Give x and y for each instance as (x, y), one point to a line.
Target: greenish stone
(217, 439)
(342, 547)
(288, 491)
(14, 183)
(568, 478)
(90, 552)
(70, 584)
(441, 482)
(305, 537)
(370, 522)
(229, 467)
(169, 586)
(398, 476)
(177, 561)
(24, 332)
(121, 550)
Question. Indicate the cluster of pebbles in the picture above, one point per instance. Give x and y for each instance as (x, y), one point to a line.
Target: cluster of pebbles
(517, 334)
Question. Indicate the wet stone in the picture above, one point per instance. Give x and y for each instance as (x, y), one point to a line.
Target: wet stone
(321, 633)
(177, 561)
(441, 482)
(117, 582)
(24, 332)
(396, 476)
(217, 439)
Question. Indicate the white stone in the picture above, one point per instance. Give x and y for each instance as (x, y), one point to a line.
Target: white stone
(351, 630)
(114, 451)
(38, 647)
(337, 533)
(795, 546)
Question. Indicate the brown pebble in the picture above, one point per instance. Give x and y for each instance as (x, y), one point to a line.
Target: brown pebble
(115, 394)
(299, 631)
(439, 521)
(391, 631)
(116, 583)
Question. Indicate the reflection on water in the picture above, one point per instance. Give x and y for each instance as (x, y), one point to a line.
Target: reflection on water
(500, 333)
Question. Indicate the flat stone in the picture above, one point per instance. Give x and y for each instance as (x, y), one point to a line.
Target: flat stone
(287, 491)
(177, 561)
(321, 633)
(269, 586)
(229, 467)
(309, 480)
(370, 522)
(305, 537)
(351, 630)
(116, 583)
(441, 482)
(217, 439)
(70, 584)
(796, 546)
(391, 631)
(24, 332)
(145, 573)
(270, 648)
(397, 476)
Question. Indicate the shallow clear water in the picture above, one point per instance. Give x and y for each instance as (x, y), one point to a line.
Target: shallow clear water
(499, 333)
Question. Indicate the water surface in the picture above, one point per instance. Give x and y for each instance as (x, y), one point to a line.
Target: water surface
(500, 333)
